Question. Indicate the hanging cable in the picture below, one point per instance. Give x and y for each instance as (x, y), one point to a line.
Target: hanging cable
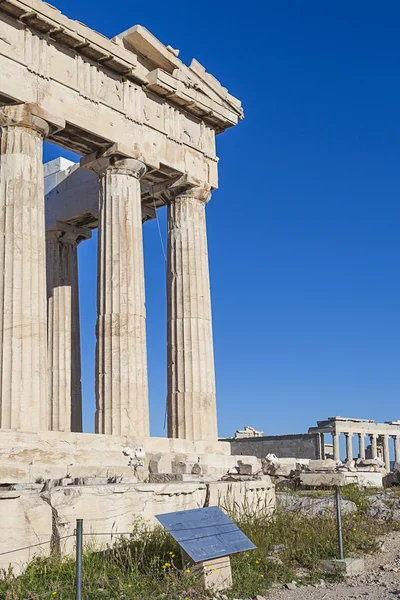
(159, 232)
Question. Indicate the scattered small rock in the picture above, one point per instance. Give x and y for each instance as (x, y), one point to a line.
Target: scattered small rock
(291, 586)
(277, 548)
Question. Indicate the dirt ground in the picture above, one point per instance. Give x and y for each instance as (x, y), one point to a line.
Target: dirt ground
(381, 579)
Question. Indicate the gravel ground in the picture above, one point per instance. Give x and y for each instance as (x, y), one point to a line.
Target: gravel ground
(381, 579)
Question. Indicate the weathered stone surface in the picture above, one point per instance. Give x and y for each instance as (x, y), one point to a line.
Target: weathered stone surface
(64, 360)
(191, 379)
(23, 315)
(121, 359)
(111, 508)
(313, 506)
(25, 520)
(53, 455)
(250, 496)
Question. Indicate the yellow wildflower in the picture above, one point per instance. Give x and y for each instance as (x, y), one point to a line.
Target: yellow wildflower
(261, 575)
(187, 571)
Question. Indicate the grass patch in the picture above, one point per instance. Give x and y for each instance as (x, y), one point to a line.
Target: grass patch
(148, 564)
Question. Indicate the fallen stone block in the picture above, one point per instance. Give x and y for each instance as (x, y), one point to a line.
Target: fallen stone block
(161, 463)
(180, 467)
(245, 468)
(367, 462)
(321, 465)
(346, 566)
(322, 479)
(196, 469)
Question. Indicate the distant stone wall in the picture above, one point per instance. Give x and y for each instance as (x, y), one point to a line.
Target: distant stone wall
(302, 445)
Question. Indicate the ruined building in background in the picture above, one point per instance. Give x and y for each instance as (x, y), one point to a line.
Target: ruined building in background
(315, 445)
(248, 432)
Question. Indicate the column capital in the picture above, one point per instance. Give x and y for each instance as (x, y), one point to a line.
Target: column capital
(68, 234)
(117, 159)
(201, 192)
(30, 116)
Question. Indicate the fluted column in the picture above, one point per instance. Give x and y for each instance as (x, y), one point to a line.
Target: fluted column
(320, 446)
(190, 355)
(349, 446)
(64, 358)
(386, 453)
(397, 448)
(336, 449)
(374, 445)
(23, 340)
(361, 446)
(121, 357)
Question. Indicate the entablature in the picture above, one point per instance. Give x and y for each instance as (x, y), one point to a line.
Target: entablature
(126, 55)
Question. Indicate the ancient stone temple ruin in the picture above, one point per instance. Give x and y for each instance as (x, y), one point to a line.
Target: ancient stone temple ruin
(145, 125)
(379, 435)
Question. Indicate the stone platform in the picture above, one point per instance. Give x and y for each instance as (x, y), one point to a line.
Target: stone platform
(50, 479)
(34, 515)
(26, 457)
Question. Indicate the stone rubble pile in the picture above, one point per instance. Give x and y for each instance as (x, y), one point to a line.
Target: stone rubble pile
(292, 472)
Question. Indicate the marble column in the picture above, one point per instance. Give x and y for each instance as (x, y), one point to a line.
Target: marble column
(374, 445)
(361, 446)
(191, 399)
(23, 339)
(396, 448)
(336, 449)
(64, 360)
(320, 446)
(386, 453)
(121, 357)
(349, 446)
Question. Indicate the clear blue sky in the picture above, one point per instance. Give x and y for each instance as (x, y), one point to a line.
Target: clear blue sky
(304, 229)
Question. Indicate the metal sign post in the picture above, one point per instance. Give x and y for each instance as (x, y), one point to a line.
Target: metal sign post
(78, 565)
(339, 522)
